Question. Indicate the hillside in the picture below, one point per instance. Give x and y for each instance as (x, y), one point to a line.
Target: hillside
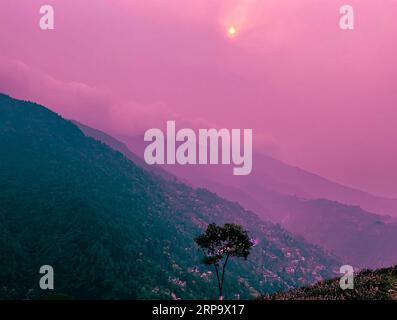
(360, 238)
(368, 285)
(113, 230)
(121, 147)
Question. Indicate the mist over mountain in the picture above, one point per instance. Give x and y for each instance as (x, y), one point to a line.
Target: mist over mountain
(114, 230)
(303, 203)
(276, 176)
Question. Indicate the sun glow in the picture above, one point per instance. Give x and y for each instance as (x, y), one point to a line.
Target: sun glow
(232, 31)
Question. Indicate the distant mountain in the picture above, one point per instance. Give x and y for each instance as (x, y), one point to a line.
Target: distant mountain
(358, 237)
(368, 285)
(114, 230)
(276, 176)
(289, 180)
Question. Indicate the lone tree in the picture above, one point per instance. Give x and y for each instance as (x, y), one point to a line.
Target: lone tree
(219, 244)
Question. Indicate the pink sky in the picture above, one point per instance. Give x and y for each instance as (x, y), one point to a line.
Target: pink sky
(316, 96)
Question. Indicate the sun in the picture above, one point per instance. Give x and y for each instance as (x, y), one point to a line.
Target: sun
(232, 31)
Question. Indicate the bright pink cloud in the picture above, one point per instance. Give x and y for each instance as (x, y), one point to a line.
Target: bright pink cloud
(326, 98)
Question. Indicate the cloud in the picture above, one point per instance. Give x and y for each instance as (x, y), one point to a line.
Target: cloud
(75, 100)
(326, 96)
(97, 107)
(67, 98)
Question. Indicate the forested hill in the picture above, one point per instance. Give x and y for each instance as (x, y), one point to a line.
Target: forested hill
(112, 230)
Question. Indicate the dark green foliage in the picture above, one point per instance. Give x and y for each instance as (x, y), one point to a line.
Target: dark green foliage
(368, 285)
(114, 231)
(219, 244)
(230, 240)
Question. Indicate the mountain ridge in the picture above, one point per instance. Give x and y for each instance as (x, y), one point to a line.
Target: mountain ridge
(360, 238)
(277, 176)
(113, 230)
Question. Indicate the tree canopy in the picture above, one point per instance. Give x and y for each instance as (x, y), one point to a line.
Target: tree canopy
(219, 244)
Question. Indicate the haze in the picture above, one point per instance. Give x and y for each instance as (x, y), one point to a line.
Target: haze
(316, 97)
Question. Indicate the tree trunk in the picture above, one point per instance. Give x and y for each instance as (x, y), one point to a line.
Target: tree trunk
(222, 278)
(219, 282)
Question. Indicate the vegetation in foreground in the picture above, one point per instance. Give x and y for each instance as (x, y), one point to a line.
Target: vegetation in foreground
(378, 284)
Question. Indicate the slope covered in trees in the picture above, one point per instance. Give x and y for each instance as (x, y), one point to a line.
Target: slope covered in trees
(113, 230)
(359, 238)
